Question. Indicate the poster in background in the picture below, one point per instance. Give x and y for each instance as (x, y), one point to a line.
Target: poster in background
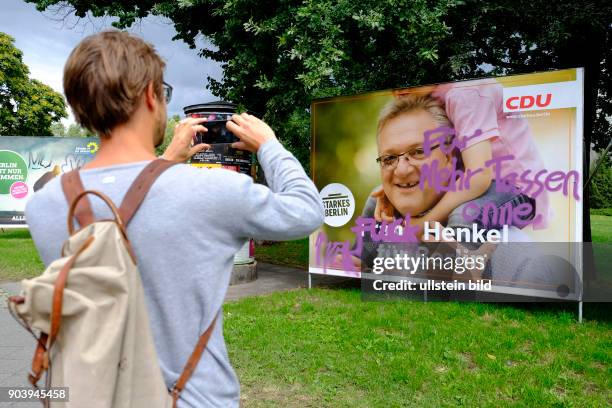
(535, 118)
(28, 162)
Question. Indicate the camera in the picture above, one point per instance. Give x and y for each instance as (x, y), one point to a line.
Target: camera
(221, 153)
(217, 133)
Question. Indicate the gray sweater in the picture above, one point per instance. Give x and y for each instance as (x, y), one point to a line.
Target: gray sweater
(185, 236)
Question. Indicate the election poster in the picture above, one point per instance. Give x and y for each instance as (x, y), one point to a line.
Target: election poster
(471, 186)
(27, 163)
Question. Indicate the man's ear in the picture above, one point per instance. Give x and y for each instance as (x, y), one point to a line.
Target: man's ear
(151, 98)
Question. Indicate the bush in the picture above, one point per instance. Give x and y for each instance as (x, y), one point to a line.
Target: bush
(601, 211)
(601, 186)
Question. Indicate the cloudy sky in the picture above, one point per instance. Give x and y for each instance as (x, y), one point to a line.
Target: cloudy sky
(46, 40)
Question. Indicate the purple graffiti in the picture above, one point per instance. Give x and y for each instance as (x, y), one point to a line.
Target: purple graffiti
(340, 254)
(492, 214)
(437, 177)
(444, 138)
(553, 181)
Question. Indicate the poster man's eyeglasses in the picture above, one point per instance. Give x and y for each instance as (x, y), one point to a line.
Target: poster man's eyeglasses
(414, 156)
(167, 91)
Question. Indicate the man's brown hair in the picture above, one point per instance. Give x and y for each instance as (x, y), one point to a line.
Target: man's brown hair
(105, 77)
(410, 103)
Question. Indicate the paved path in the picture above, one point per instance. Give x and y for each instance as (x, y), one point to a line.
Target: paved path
(17, 345)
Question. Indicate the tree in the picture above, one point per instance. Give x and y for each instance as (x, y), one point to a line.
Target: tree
(601, 185)
(170, 125)
(73, 130)
(27, 106)
(58, 129)
(277, 56)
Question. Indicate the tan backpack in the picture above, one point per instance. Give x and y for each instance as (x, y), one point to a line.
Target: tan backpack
(89, 308)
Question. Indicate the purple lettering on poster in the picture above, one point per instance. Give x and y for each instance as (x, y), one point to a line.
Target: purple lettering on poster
(340, 254)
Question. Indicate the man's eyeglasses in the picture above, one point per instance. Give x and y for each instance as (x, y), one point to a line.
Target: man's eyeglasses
(414, 156)
(167, 91)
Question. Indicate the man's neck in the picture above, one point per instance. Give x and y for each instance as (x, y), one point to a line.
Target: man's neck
(120, 147)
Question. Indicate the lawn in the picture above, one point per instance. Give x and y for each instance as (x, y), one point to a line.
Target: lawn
(328, 348)
(18, 256)
(322, 347)
(601, 228)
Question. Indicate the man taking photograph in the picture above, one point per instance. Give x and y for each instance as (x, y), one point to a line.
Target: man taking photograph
(192, 222)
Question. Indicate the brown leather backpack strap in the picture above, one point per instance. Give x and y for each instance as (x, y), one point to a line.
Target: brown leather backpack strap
(73, 186)
(40, 363)
(192, 363)
(140, 187)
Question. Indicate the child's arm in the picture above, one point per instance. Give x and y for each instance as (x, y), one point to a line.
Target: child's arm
(474, 158)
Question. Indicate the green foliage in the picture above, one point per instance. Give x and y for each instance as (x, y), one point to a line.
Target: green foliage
(279, 55)
(601, 185)
(601, 211)
(172, 122)
(73, 130)
(58, 129)
(27, 106)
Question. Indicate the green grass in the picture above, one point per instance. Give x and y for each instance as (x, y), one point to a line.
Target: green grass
(290, 253)
(328, 348)
(601, 228)
(18, 256)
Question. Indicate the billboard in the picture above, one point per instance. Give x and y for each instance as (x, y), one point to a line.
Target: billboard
(470, 185)
(28, 162)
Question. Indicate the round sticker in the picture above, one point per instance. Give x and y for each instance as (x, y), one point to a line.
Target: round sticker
(13, 168)
(339, 204)
(19, 189)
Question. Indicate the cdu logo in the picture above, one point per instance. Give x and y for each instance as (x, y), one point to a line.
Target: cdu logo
(556, 95)
(528, 101)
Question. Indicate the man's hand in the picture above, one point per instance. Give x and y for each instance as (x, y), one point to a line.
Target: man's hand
(251, 131)
(384, 208)
(182, 147)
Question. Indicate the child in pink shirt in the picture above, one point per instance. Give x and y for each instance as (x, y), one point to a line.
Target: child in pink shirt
(476, 110)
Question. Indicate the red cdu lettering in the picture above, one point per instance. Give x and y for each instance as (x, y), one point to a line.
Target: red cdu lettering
(510, 103)
(546, 102)
(527, 101)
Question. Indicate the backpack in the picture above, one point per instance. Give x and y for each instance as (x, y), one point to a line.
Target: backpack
(89, 307)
